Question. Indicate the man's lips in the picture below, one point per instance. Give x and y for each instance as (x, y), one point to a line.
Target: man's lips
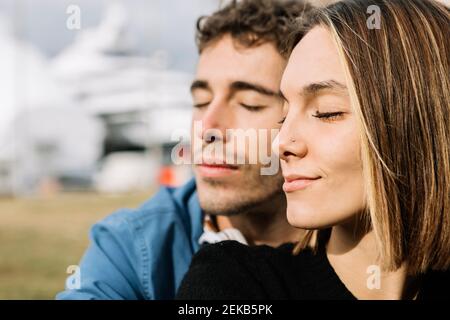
(216, 170)
(296, 182)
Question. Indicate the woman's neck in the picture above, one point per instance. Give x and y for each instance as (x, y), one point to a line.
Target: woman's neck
(355, 258)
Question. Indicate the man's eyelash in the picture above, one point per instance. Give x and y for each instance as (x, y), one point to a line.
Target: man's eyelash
(252, 108)
(201, 105)
(282, 120)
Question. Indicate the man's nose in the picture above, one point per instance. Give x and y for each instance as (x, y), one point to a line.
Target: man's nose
(215, 122)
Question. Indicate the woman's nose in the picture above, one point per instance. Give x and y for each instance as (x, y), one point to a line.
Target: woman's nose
(289, 143)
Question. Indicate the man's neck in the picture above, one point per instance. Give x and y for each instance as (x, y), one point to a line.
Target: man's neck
(267, 226)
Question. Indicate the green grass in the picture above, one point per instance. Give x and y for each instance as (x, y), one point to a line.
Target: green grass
(40, 238)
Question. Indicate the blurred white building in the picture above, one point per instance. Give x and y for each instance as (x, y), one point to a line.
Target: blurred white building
(31, 120)
(141, 102)
(101, 114)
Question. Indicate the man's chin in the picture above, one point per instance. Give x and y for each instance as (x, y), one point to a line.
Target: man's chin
(231, 196)
(217, 197)
(215, 183)
(210, 186)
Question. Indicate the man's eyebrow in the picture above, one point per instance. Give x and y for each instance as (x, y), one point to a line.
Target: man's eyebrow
(243, 85)
(200, 84)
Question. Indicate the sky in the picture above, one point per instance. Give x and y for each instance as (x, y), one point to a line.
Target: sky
(155, 24)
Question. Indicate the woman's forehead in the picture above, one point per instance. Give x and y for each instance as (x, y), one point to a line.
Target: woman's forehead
(315, 59)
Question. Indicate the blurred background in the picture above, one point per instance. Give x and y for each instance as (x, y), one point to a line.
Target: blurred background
(90, 94)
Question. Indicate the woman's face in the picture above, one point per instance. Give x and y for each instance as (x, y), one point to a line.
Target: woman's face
(319, 141)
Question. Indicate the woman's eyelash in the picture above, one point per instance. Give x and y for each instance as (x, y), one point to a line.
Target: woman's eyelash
(328, 115)
(325, 115)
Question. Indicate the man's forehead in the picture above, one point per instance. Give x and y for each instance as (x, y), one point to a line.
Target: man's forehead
(228, 43)
(226, 56)
(222, 62)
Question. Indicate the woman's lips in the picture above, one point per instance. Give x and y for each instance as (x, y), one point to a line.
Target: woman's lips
(216, 170)
(295, 184)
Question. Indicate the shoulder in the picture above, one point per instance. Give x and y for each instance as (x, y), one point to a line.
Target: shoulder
(435, 286)
(168, 207)
(240, 253)
(236, 252)
(218, 271)
(150, 246)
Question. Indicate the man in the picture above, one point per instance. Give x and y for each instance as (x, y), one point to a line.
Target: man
(144, 253)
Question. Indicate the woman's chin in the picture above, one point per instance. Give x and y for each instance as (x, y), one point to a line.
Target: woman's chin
(301, 219)
(308, 219)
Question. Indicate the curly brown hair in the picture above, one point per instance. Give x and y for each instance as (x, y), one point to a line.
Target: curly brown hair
(252, 22)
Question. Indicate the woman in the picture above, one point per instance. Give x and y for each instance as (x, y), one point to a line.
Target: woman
(365, 152)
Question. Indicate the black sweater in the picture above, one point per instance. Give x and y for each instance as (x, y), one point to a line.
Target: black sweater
(229, 270)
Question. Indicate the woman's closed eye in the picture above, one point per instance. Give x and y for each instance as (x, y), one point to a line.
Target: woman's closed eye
(329, 116)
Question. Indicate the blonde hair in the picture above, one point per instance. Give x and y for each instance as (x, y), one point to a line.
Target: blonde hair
(398, 79)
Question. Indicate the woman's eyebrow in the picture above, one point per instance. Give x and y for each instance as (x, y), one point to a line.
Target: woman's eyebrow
(316, 88)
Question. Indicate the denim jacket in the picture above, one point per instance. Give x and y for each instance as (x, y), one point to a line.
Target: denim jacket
(142, 253)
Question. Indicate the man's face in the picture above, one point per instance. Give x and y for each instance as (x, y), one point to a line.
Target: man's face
(236, 88)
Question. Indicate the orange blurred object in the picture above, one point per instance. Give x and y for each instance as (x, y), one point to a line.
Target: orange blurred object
(167, 176)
